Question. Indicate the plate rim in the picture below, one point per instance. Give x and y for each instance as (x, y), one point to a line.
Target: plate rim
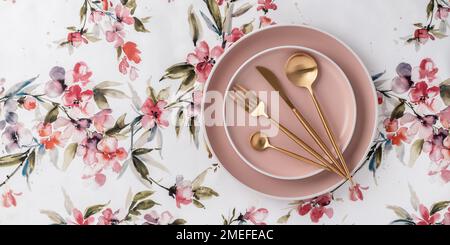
(219, 61)
(305, 49)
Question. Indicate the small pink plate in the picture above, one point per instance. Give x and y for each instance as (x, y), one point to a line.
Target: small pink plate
(289, 35)
(330, 84)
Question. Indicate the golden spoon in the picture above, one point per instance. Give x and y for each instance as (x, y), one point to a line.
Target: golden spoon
(260, 142)
(302, 70)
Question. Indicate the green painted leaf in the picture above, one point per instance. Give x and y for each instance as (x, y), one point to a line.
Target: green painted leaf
(180, 121)
(179, 222)
(13, 159)
(430, 8)
(400, 212)
(178, 71)
(214, 10)
(194, 25)
(141, 168)
(198, 204)
(142, 195)
(83, 11)
(242, 10)
(100, 99)
(93, 210)
(188, 82)
(202, 193)
(131, 4)
(106, 84)
(139, 26)
(437, 207)
(142, 151)
(144, 205)
(416, 150)
(445, 92)
(52, 115)
(284, 219)
(398, 111)
(69, 155)
(55, 217)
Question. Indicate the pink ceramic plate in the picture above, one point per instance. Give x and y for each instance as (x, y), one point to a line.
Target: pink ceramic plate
(283, 35)
(331, 83)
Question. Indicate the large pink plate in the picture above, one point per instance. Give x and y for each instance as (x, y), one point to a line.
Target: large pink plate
(330, 83)
(294, 35)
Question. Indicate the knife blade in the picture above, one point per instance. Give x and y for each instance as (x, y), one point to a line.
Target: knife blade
(275, 83)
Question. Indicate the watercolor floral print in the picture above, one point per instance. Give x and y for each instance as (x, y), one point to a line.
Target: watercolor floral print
(436, 25)
(109, 20)
(75, 121)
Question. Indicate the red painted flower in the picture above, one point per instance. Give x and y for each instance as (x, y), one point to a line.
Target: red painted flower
(88, 148)
(399, 136)
(444, 117)
(442, 13)
(256, 216)
(52, 141)
(76, 39)
(153, 114)
(391, 125)
(265, 5)
(426, 218)
(235, 35)
(109, 154)
(183, 193)
(108, 217)
(78, 99)
(316, 207)
(426, 71)
(266, 21)
(123, 14)
(80, 220)
(355, 192)
(81, 73)
(424, 96)
(9, 199)
(131, 51)
(446, 220)
(422, 35)
(203, 59)
(116, 34)
(419, 125)
(29, 103)
(103, 120)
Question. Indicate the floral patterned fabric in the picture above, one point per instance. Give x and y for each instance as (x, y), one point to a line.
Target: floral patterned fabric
(100, 99)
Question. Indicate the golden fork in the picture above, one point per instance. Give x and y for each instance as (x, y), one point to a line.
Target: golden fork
(257, 108)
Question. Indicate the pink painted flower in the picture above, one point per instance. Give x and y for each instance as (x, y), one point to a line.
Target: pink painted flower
(106, 4)
(79, 100)
(400, 136)
(426, 218)
(426, 71)
(380, 98)
(16, 136)
(402, 82)
(9, 199)
(103, 120)
(109, 154)
(355, 192)
(153, 218)
(419, 125)
(266, 5)
(116, 34)
(123, 14)
(81, 73)
(56, 86)
(96, 16)
(424, 96)
(446, 220)
(44, 129)
(183, 192)
(316, 207)
(29, 103)
(434, 145)
(76, 39)
(235, 35)
(390, 125)
(124, 65)
(80, 220)
(154, 114)
(256, 216)
(108, 217)
(74, 129)
(132, 52)
(266, 21)
(422, 35)
(220, 2)
(442, 13)
(52, 141)
(203, 59)
(88, 148)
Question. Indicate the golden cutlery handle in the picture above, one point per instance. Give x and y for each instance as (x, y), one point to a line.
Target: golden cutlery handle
(317, 139)
(330, 133)
(302, 144)
(303, 159)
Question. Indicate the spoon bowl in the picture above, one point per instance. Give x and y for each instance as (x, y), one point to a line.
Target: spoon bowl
(302, 70)
(260, 141)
